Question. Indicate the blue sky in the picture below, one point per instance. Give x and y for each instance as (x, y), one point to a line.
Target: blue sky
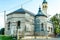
(31, 5)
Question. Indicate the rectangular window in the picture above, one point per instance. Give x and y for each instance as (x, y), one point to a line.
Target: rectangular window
(8, 25)
(42, 27)
(18, 24)
(25, 28)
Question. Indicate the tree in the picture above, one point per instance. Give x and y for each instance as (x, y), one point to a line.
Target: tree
(2, 31)
(55, 22)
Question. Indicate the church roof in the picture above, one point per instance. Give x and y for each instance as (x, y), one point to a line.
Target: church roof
(44, 1)
(40, 13)
(21, 10)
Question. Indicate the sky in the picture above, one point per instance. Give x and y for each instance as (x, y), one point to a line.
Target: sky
(30, 5)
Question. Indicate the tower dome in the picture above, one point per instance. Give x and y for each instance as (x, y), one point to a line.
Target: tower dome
(40, 13)
(44, 1)
(44, 7)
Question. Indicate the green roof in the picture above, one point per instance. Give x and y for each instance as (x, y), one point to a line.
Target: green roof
(40, 13)
(44, 1)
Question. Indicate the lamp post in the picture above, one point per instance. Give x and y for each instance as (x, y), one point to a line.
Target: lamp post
(14, 36)
(16, 31)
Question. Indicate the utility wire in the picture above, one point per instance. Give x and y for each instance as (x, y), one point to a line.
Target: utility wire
(17, 6)
(20, 5)
(26, 2)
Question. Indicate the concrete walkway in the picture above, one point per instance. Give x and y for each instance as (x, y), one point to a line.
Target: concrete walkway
(44, 39)
(39, 38)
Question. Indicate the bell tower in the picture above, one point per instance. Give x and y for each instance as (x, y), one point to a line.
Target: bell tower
(44, 7)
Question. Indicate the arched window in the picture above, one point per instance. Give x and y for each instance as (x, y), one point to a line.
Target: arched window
(8, 25)
(51, 29)
(18, 24)
(42, 27)
(43, 6)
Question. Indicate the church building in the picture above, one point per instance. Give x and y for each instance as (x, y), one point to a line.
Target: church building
(25, 23)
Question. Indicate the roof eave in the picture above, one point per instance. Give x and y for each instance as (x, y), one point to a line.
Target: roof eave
(16, 12)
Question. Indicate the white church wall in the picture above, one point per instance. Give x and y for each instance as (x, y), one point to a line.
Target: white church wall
(29, 23)
(26, 19)
(9, 16)
(49, 26)
(29, 17)
(19, 15)
(13, 18)
(44, 21)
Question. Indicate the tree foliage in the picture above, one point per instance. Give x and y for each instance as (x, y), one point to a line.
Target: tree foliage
(2, 31)
(55, 22)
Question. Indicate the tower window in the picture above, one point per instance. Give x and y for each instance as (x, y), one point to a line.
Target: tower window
(18, 24)
(8, 25)
(42, 28)
(45, 6)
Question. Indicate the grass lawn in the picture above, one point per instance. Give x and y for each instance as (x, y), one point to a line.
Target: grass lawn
(3, 37)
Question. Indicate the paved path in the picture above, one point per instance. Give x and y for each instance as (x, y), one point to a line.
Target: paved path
(39, 38)
(44, 39)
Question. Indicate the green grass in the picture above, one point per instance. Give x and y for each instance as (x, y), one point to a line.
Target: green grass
(3, 37)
